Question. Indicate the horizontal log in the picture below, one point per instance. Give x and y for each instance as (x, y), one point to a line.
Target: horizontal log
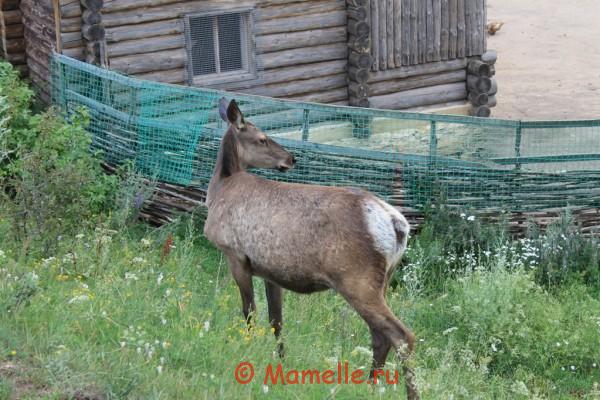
(178, 75)
(423, 69)
(294, 40)
(94, 5)
(479, 68)
(358, 13)
(13, 31)
(304, 56)
(489, 57)
(398, 85)
(360, 75)
(9, 5)
(293, 73)
(304, 86)
(360, 44)
(70, 25)
(478, 99)
(359, 60)
(169, 11)
(494, 89)
(326, 96)
(359, 102)
(150, 62)
(358, 28)
(15, 45)
(358, 90)
(480, 84)
(294, 24)
(481, 111)
(298, 9)
(71, 10)
(91, 17)
(12, 17)
(93, 33)
(71, 39)
(420, 97)
(16, 58)
(143, 31)
(77, 53)
(123, 5)
(149, 45)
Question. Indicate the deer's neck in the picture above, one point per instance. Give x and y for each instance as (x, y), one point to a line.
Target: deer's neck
(228, 163)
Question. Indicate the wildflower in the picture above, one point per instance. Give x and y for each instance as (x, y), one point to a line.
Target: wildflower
(463, 215)
(166, 345)
(79, 236)
(2, 254)
(47, 261)
(79, 299)
(123, 344)
(162, 360)
(361, 350)
(471, 218)
(138, 260)
(557, 344)
(168, 292)
(13, 353)
(594, 365)
(163, 321)
(139, 350)
(494, 349)
(572, 368)
(449, 330)
(206, 326)
(265, 389)
(146, 242)
(160, 278)
(129, 276)
(159, 369)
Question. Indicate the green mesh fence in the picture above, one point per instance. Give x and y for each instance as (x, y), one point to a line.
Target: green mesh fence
(173, 133)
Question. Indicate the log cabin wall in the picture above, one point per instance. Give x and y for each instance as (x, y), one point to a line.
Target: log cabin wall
(40, 41)
(299, 47)
(420, 50)
(12, 35)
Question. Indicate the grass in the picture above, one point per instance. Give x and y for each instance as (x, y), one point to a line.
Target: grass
(110, 314)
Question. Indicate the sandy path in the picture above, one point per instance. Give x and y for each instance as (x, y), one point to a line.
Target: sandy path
(548, 58)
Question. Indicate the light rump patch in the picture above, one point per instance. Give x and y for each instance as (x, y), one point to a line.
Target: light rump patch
(388, 229)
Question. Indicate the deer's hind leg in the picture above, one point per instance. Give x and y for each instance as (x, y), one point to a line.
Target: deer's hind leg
(242, 274)
(367, 298)
(274, 301)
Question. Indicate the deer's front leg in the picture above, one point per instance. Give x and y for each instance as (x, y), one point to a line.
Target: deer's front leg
(242, 274)
(274, 300)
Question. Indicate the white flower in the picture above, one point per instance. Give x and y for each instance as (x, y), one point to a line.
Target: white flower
(168, 292)
(206, 326)
(557, 344)
(146, 242)
(594, 365)
(79, 299)
(123, 344)
(265, 389)
(2, 254)
(129, 276)
(138, 260)
(162, 360)
(159, 369)
(462, 215)
(160, 278)
(48, 261)
(139, 350)
(34, 276)
(79, 236)
(163, 321)
(449, 330)
(471, 218)
(494, 349)
(572, 368)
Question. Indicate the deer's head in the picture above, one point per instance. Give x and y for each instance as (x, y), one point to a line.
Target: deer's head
(253, 147)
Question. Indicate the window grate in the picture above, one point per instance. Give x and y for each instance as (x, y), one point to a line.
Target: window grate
(219, 47)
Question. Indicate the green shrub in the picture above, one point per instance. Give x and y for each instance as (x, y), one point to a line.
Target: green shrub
(51, 182)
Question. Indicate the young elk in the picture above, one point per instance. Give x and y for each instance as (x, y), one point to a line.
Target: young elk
(304, 238)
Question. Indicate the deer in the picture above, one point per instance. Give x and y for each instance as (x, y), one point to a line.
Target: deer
(304, 238)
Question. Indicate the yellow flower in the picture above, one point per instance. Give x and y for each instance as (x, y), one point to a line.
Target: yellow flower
(13, 353)
(62, 277)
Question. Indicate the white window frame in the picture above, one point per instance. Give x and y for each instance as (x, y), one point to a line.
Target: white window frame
(248, 70)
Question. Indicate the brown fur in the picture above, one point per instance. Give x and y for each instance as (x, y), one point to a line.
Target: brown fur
(304, 238)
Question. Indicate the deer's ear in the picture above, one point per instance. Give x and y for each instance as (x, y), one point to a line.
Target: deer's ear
(234, 115)
(223, 104)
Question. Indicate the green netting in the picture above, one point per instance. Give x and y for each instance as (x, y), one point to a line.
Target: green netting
(172, 133)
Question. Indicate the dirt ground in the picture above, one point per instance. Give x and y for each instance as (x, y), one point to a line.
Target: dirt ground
(548, 58)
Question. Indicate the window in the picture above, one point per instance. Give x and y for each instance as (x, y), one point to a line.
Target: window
(219, 47)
